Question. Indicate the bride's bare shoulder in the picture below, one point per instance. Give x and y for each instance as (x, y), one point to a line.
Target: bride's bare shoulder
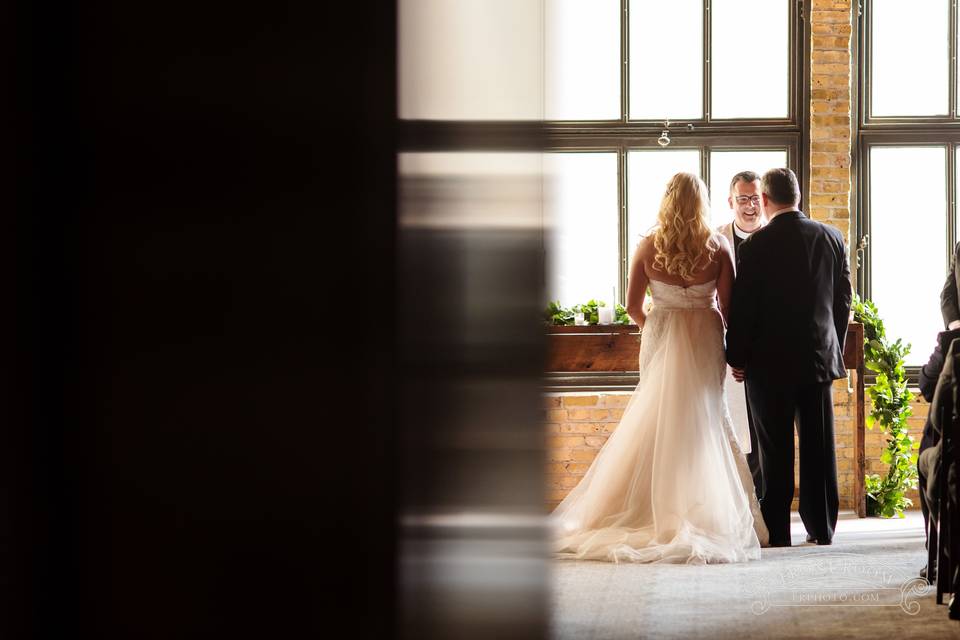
(645, 248)
(720, 242)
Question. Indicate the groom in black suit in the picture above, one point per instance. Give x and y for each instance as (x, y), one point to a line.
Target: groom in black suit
(789, 312)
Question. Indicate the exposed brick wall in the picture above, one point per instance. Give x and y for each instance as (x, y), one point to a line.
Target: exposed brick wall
(578, 425)
(830, 117)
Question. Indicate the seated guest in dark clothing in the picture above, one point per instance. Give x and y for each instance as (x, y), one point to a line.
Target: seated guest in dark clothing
(930, 452)
(949, 298)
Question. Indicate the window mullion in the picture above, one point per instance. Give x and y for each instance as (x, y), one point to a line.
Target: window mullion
(705, 165)
(624, 60)
(952, 66)
(867, 257)
(795, 20)
(622, 226)
(866, 28)
(951, 235)
(708, 55)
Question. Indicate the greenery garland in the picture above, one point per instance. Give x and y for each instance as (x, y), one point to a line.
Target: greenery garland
(890, 399)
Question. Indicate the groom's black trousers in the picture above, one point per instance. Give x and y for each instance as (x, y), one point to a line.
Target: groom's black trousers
(774, 407)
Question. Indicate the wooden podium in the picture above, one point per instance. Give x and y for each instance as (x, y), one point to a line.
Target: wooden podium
(616, 348)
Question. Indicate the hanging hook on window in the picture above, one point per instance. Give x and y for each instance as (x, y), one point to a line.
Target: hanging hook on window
(861, 249)
(664, 138)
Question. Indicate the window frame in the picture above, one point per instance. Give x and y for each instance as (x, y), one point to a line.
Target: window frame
(704, 134)
(897, 131)
(864, 57)
(796, 102)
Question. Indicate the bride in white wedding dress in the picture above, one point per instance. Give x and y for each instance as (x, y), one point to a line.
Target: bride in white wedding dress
(671, 484)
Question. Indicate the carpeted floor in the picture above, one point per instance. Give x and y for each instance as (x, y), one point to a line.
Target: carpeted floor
(864, 585)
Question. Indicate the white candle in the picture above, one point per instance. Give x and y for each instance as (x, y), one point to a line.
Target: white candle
(605, 315)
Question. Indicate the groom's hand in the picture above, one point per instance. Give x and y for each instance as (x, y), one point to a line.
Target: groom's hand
(737, 374)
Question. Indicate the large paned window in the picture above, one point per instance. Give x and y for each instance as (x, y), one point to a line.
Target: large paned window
(637, 90)
(909, 136)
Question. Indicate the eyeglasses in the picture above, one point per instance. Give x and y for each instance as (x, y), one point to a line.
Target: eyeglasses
(748, 199)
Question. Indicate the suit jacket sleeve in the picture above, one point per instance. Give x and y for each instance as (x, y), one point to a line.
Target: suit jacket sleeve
(948, 296)
(942, 403)
(930, 373)
(842, 293)
(744, 308)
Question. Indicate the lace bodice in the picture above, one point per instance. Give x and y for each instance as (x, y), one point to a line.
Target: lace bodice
(672, 296)
(668, 298)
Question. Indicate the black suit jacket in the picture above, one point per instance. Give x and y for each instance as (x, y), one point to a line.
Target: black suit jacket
(948, 296)
(942, 403)
(929, 374)
(790, 302)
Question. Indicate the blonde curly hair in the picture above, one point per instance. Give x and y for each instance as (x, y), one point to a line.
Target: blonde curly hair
(683, 239)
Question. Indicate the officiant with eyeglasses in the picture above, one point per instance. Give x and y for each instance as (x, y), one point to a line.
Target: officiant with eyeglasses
(744, 199)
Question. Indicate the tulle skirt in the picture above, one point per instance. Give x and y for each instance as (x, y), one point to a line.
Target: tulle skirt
(671, 484)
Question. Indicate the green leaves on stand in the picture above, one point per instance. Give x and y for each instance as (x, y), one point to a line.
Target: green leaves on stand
(890, 400)
(558, 315)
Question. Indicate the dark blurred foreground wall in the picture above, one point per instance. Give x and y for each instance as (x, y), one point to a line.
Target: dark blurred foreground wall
(473, 559)
(197, 415)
